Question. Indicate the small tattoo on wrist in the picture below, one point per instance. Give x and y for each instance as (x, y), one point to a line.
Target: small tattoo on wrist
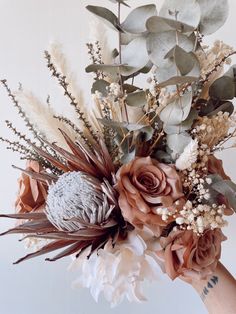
(209, 286)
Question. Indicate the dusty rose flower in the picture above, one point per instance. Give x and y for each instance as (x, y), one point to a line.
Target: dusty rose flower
(32, 194)
(145, 185)
(184, 253)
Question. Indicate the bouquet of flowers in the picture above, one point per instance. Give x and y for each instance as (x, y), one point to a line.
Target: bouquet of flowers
(131, 183)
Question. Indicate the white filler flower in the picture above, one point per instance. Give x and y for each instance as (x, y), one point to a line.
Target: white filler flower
(119, 271)
(188, 157)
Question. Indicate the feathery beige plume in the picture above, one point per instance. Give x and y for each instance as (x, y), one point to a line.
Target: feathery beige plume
(42, 117)
(188, 157)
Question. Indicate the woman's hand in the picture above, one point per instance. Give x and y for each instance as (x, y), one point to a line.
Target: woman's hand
(218, 291)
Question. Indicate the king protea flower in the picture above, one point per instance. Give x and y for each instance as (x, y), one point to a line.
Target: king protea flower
(81, 208)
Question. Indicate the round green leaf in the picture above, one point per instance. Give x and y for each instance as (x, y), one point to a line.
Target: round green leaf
(135, 54)
(177, 111)
(187, 11)
(177, 143)
(100, 86)
(223, 88)
(135, 22)
(158, 24)
(105, 15)
(214, 13)
(137, 99)
(159, 45)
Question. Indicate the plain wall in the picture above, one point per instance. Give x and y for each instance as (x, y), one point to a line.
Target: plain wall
(37, 287)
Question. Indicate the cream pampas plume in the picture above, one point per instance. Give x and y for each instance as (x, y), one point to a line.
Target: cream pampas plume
(42, 117)
(188, 157)
(60, 62)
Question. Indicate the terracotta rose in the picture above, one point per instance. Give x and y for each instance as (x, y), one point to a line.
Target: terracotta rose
(184, 253)
(32, 194)
(144, 185)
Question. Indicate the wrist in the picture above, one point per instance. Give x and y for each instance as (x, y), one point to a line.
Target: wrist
(217, 291)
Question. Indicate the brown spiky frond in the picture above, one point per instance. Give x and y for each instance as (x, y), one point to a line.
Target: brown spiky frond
(38, 226)
(94, 164)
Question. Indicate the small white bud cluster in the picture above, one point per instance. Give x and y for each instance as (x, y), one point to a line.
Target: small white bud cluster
(114, 89)
(166, 213)
(212, 130)
(153, 83)
(209, 58)
(97, 96)
(163, 212)
(201, 217)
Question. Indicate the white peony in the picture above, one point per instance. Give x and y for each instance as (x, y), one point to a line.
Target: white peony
(119, 271)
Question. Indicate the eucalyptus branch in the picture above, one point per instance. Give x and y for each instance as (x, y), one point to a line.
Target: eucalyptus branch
(120, 61)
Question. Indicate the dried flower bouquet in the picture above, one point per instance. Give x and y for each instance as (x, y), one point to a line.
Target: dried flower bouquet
(133, 184)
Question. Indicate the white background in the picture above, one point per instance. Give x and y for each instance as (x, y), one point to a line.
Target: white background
(37, 287)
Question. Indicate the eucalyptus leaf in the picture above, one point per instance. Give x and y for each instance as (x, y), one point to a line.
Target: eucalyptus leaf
(185, 61)
(226, 188)
(177, 143)
(106, 15)
(223, 88)
(163, 75)
(224, 107)
(100, 86)
(112, 70)
(137, 99)
(126, 38)
(135, 23)
(158, 24)
(159, 44)
(128, 156)
(177, 111)
(231, 72)
(162, 156)
(214, 13)
(128, 88)
(182, 127)
(135, 54)
(187, 11)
